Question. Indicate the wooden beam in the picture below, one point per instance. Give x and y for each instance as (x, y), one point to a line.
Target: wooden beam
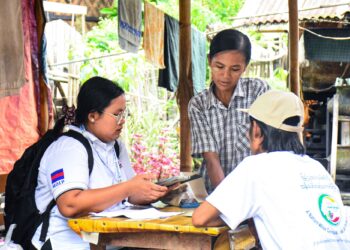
(156, 240)
(68, 9)
(293, 47)
(185, 89)
(65, 8)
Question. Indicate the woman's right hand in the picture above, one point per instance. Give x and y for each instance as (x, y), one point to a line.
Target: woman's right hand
(144, 191)
(139, 190)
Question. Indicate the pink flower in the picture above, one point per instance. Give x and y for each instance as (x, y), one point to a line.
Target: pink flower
(162, 139)
(137, 136)
(165, 131)
(161, 161)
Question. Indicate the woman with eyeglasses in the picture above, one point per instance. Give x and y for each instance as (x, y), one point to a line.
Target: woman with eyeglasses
(64, 173)
(219, 132)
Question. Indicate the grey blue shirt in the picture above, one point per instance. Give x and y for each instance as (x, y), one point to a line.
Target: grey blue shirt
(220, 129)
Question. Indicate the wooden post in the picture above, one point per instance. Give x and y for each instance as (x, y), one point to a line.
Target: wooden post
(43, 94)
(334, 142)
(293, 47)
(185, 88)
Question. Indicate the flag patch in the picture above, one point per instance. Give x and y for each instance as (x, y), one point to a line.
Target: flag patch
(57, 177)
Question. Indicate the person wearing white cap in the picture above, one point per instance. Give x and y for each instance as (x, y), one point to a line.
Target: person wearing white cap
(292, 198)
(218, 130)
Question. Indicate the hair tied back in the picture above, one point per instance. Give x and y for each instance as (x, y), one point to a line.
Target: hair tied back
(69, 114)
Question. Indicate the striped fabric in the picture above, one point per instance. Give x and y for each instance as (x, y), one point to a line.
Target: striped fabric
(215, 128)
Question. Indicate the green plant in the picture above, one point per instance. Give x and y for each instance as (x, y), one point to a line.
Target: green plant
(279, 80)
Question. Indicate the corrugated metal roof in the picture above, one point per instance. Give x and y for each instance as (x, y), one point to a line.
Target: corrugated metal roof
(255, 12)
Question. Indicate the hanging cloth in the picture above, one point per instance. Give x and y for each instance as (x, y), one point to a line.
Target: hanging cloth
(11, 48)
(19, 112)
(153, 38)
(129, 24)
(169, 77)
(199, 60)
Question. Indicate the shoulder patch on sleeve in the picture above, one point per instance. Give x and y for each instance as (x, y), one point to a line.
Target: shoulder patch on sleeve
(57, 177)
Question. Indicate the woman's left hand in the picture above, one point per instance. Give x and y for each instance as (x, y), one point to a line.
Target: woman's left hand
(143, 190)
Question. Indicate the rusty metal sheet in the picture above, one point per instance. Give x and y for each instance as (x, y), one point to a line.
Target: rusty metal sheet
(276, 11)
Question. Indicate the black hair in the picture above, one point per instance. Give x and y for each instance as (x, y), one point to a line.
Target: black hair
(231, 39)
(94, 96)
(280, 140)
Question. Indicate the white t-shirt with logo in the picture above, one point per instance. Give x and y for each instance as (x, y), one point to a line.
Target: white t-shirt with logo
(292, 199)
(64, 167)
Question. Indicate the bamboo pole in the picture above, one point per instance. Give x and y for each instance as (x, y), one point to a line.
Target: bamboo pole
(185, 89)
(293, 47)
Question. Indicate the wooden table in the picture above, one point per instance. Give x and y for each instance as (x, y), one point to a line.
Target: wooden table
(175, 232)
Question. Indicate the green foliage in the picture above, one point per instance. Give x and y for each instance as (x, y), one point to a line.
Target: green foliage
(280, 74)
(279, 80)
(111, 12)
(103, 39)
(224, 9)
(254, 36)
(150, 124)
(204, 12)
(202, 16)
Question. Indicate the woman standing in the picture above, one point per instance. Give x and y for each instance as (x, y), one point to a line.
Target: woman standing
(218, 130)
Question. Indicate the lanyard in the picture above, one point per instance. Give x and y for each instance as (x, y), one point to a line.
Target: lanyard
(118, 176)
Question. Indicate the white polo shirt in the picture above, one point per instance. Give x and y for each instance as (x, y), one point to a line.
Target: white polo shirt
(64, 167)
(292, 199)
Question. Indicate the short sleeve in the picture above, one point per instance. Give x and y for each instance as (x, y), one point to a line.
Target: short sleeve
(236, 197)
(261, 87)
(65, 165)
(201, 136)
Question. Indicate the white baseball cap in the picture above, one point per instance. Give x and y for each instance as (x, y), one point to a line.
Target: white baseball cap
(274, 107)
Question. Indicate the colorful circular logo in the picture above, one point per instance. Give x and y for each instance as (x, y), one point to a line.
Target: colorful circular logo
(330, 209)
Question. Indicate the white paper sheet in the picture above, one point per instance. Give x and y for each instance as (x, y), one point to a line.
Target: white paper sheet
(137, 214)
(90, 237)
